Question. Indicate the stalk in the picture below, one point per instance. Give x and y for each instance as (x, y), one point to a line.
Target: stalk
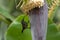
(2, 18)
(38, 19)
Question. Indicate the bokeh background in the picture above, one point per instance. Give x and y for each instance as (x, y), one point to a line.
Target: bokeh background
(8, 13)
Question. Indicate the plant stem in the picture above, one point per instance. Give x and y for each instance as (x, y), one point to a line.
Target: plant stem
(38, 19)
(4, 19)
(3, 29)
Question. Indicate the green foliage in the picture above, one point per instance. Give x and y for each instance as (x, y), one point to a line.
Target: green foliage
(49, 2)
(13, 17)
(14, 31)
(6, 7)
(53, 33)
(57, 15)
(49, 21)
(8, 13)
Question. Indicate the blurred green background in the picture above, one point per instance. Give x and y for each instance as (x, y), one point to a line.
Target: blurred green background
(9, 13)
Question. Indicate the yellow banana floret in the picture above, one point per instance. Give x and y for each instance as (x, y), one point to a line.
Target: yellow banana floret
(52, 8)
(25, 7)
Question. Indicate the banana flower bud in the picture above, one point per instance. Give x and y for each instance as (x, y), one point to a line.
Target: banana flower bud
(26, 7)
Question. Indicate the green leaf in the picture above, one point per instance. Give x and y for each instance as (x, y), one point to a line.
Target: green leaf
(2, 18)
(58, 27)
(53, 33)
(49, 2)
(50, 21)
(57, 15)
(7, 4)
(6, 14)
(6, 7)
(26, 19)
(14, 31)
